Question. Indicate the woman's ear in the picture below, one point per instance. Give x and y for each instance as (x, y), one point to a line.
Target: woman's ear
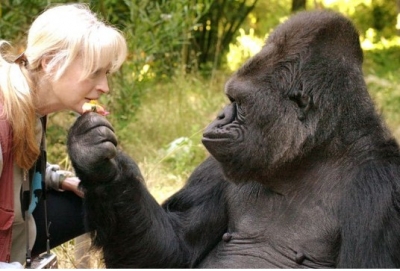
(44, 64)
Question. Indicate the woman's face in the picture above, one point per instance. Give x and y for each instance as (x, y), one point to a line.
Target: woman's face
(69, 92)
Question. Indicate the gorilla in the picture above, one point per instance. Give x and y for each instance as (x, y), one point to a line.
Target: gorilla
(302, 172)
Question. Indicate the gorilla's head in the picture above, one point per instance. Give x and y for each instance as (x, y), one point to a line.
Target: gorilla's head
(299, 94)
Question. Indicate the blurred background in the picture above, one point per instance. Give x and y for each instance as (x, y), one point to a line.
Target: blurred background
(181, 53)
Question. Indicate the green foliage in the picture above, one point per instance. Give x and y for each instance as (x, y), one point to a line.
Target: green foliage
(377, 14)
(382, 67)
(246, 45)
(182, 155)
(384, 62)
(266, 15)
(386, 93)
(16, 17)
(155, 29)
(182, 35)
(217, 29)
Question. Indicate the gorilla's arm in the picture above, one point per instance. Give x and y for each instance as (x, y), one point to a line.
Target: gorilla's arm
(127, 222)
(375, 210)
(201, 209)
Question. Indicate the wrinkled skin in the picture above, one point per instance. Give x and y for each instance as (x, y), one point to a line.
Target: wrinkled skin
(302, 172)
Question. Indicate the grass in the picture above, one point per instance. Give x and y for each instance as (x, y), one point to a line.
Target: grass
(165, 137)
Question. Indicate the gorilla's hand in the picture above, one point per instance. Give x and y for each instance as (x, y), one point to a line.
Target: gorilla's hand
(92, 147)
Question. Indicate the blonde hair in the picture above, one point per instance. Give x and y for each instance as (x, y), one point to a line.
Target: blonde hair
(61, 34)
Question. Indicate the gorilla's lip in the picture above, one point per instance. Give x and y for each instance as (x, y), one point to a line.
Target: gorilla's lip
(221, 137)
(215, 139)
(216, 136)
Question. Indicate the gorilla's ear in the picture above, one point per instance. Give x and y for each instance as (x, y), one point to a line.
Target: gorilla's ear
(303, 101)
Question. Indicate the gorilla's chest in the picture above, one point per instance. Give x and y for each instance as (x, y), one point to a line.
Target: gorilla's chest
(267, 230)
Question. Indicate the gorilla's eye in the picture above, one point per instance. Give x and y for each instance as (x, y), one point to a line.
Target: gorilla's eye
(240, 113)
(302, 100)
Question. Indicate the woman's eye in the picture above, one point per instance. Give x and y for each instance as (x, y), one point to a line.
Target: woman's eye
(95, 73)
(100, 72)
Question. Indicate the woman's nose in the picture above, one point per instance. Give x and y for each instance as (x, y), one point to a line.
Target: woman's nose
(103, 85)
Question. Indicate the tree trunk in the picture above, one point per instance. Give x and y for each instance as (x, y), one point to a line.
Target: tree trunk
(219, 26)
(298, 5)
(398, 17)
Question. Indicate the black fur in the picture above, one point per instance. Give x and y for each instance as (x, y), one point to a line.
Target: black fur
(303, 173)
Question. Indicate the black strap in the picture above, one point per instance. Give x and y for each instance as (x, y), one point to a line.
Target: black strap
(26, 196)
(43, 163)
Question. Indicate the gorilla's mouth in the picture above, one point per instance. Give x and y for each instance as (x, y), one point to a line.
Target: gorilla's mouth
(212, 135)
(222, 135)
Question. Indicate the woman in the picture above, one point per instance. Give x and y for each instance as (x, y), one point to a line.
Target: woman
(68, 56)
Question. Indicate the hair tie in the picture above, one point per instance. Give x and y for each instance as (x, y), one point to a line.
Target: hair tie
(21, 60)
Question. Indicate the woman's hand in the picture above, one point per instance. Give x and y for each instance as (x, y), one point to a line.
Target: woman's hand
(72, 184)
